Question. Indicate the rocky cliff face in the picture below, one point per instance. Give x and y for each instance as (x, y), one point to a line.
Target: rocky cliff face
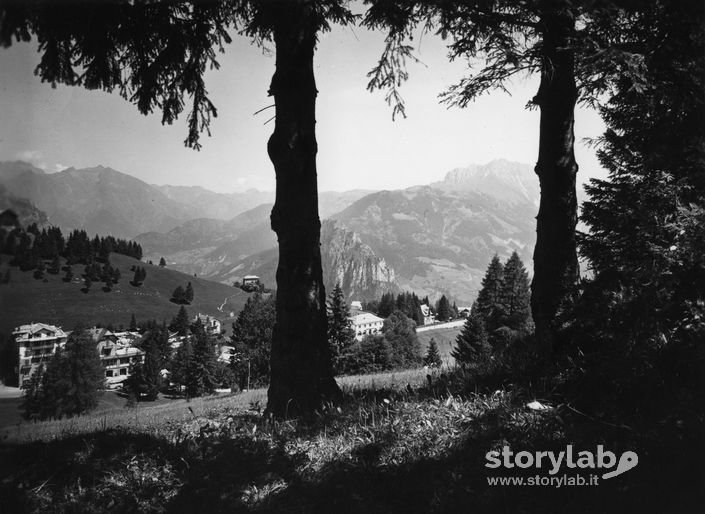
(352, 264)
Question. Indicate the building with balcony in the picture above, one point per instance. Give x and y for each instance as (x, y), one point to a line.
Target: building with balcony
(37, 343)
(116, 357)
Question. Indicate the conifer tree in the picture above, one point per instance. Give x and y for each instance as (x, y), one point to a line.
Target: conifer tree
(181, 363)
(472, 345)
(71, 382)
(139, 276)
(341, 336)
(32, 394)
(179, 295)
(188, 293)
(386, 305)
(162, 262)
(433, 356)
(515, 294)
(133, 323)
(645, 243)
(180, 323)
(489, 299)
(252, 339)
(200, 374)
(443, 310)
(144, 381)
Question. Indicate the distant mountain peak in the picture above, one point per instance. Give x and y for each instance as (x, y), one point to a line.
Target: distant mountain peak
(502, 179)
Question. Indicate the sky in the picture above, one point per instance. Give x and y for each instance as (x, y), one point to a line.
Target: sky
(360, 147)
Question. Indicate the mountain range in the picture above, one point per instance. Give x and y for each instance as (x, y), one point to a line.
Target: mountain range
(431, 239)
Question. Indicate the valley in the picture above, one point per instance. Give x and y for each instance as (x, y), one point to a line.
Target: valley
(431, 239)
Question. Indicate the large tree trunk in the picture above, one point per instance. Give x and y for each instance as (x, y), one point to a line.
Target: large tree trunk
(555, 257)
(301, 371)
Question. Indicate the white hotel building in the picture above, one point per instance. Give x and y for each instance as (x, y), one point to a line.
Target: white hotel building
(37, 343)
(366, 323)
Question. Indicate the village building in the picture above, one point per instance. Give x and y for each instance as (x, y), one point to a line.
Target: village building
(212, 325)
(366, 323)
(175, 340)
(117, 358)
(464, 312)
(251, 280)
(37, 343)
(428, 316)
(117, 354)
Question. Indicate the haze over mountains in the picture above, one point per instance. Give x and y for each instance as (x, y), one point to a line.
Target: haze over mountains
(433, 239)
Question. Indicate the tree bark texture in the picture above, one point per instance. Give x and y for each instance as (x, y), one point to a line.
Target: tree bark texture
(555, 257)
(301, 378)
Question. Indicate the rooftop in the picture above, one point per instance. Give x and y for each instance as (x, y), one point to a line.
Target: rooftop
(365, 317)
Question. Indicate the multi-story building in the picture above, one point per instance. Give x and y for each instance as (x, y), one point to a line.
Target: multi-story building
(37, 343)
(117, 356)
(366, 323)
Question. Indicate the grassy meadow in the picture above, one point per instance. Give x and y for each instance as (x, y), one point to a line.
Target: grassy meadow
(51, 300)
(398, 442)
(445, 339)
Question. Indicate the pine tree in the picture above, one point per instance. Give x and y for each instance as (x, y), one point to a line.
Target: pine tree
(179, 295)
(139, 276)
(443, 311)
(180, 323)
(200, 374)
(144, 381)
(133, 323)
(69, 274)
(386, 305)
(32, 394)
(341, 336)
(181, 363)
(188, 293)
(515, 294)
(472, 345)
(162, 262)
(252, 339)
(489, 299)
(433, 356)
(645, 244)
(72, 380)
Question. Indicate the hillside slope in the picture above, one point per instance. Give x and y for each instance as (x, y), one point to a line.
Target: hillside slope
(26, 299)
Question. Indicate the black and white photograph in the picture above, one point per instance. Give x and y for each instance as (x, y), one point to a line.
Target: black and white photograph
(352, 256)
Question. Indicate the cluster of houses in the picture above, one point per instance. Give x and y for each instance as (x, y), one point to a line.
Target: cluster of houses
(118, 351)
(38, 342)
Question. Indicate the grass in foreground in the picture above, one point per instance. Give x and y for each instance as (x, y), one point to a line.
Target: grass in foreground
(395, 447)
